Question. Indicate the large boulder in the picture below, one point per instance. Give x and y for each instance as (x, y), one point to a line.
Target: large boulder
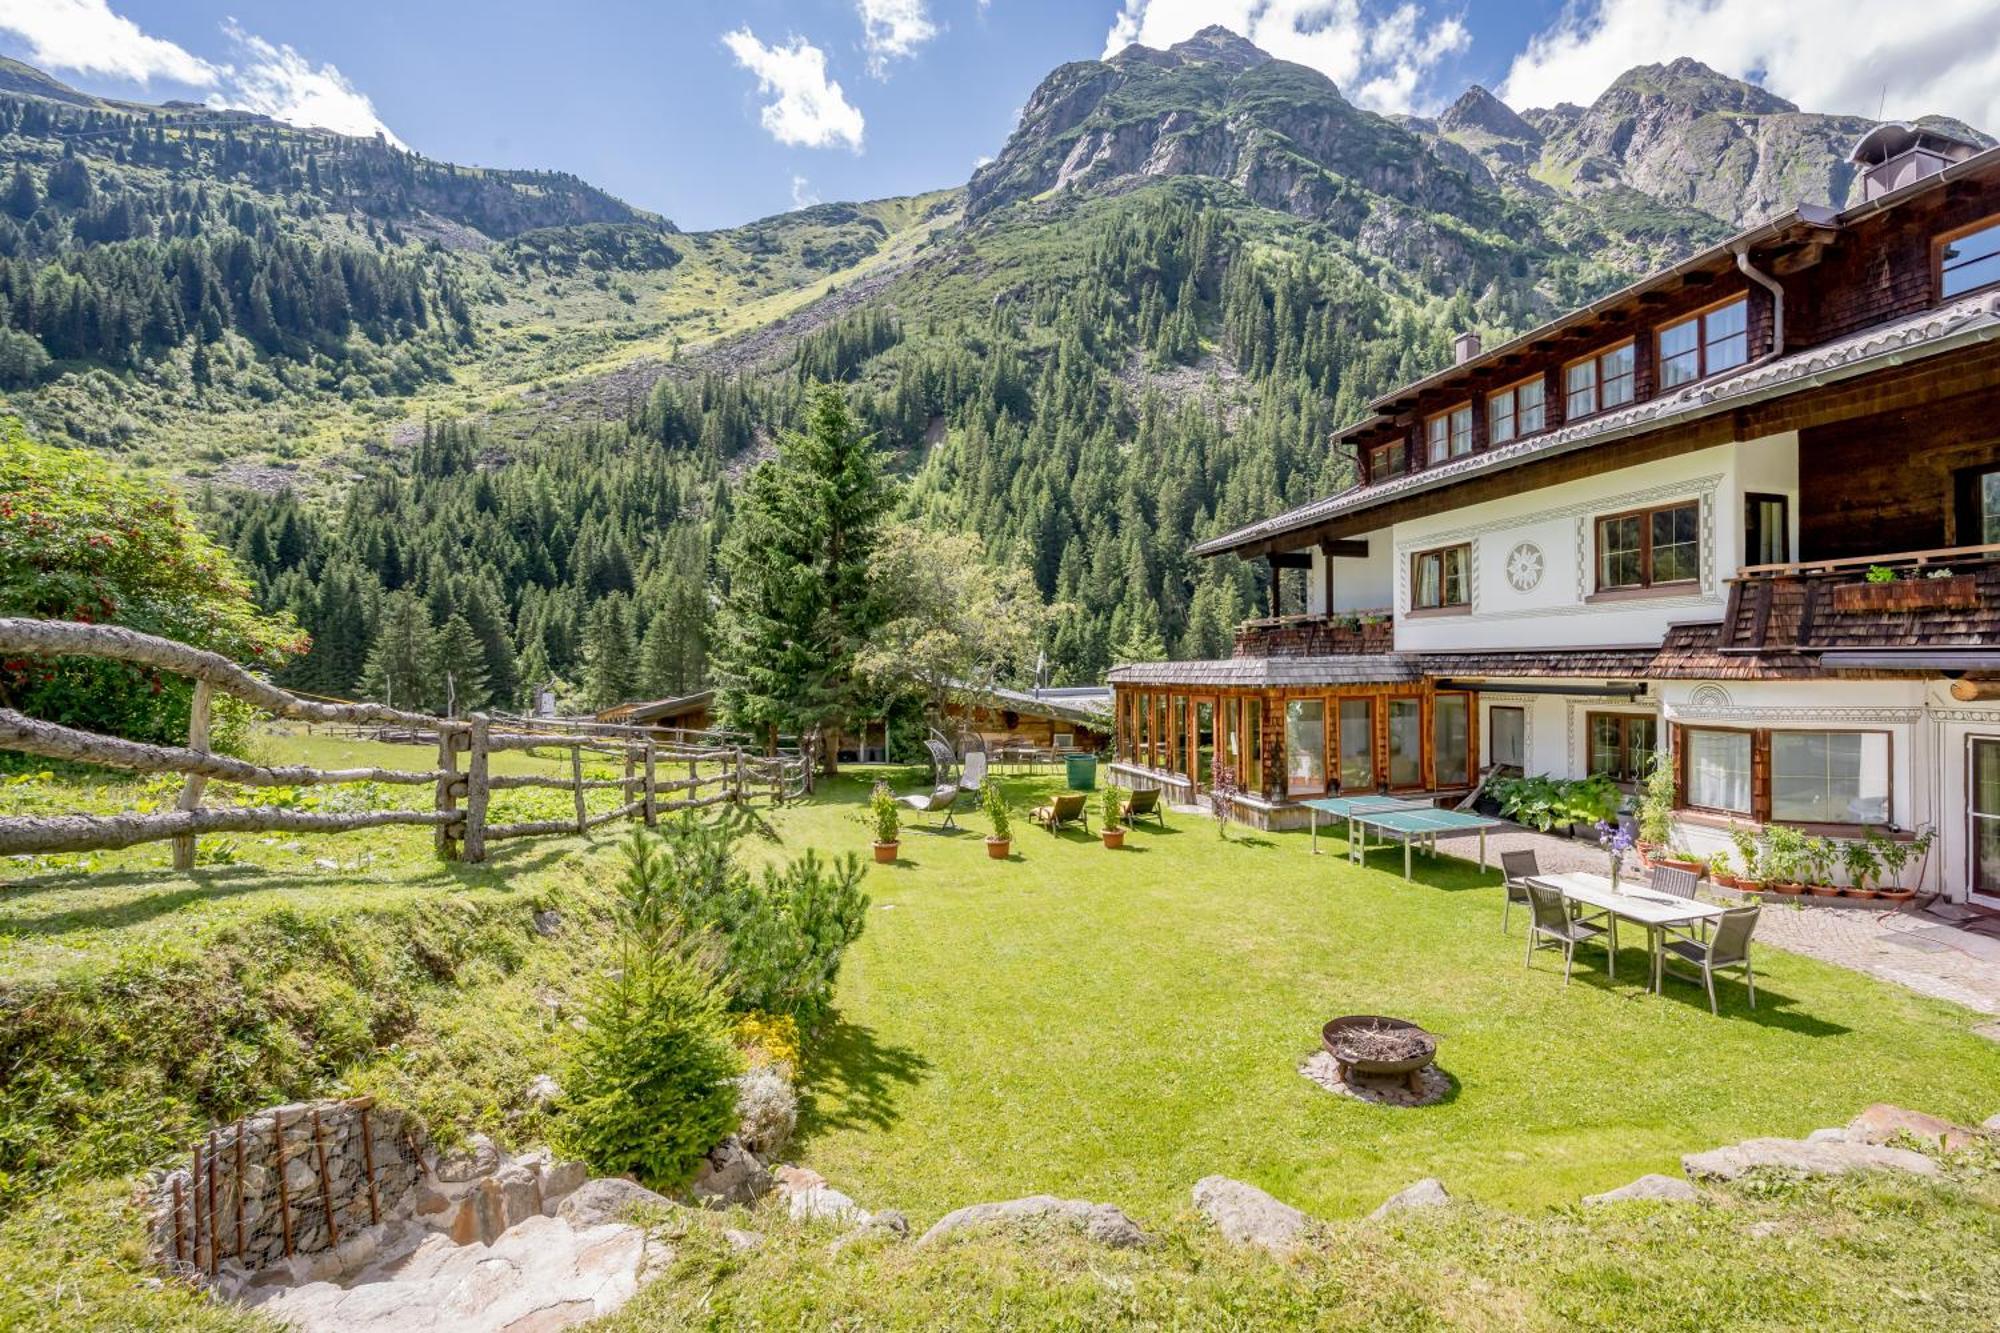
(1883, 1123)
(730, 1175)
(1426, 1193)
(1246, 1215)
(608, 1199)
(1102, 1222)
(767, 1107)
(1653, 1186)
(1812, 1159)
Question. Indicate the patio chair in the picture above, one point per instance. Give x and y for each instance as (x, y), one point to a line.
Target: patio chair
(1729, 947)
(1146, 802)
(929, 803)
(1553, 927)
(973, 774)
(1518, 868)
(1672, 879)
(1067, 808)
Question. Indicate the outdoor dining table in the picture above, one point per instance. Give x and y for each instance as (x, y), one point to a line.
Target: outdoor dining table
(1632, 902)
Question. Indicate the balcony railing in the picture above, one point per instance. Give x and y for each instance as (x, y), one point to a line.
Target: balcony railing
(1909, 599)
(1339, 635)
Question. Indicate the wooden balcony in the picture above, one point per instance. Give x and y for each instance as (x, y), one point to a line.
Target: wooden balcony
(1339, 635)
(1942, 598)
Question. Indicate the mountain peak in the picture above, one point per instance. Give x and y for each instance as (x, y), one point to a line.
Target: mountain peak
(1688, 81)
(27, 81)
(1480, 111)
(1220, 45)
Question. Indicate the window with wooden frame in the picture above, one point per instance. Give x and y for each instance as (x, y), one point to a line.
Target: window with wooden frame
(1832, 781)
(1388, 460)
(1441, 579)
(1968, 259)
(1517, 411)
(1621, 744)
(1451, 740)
(1705, 343)
(1253, 745)
(1649, 548)
(1449, 433)
(1716, 771)
(1599, 382)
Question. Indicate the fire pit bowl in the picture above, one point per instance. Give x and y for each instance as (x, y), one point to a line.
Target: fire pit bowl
(1372, 1045)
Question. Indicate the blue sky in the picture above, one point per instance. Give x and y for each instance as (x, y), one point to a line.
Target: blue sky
(715, 113)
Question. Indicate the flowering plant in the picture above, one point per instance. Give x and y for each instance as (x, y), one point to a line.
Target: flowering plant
(1616, 840)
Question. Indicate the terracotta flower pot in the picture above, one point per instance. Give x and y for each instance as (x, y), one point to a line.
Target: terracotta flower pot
(1896, 895)
(1114, 838)
(885, 853)
(1675, 863)
(1727, 881)
(1822, 890)
(1852, 892)
(997, 848)
(1775, 887)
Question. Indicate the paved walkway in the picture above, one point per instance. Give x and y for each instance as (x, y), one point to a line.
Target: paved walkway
(1910, 948)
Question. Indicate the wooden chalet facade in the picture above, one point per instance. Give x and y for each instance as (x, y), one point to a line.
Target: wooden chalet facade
(1745, 511)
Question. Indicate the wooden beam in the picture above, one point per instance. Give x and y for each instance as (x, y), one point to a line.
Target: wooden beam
(1975, 691)
(1290, 559)
(1355, 548)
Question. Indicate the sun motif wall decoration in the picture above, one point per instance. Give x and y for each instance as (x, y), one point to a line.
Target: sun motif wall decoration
(1524, 567)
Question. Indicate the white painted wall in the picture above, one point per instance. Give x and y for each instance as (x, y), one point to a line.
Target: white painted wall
(1359, 583)
(1553, 529)
(1558, 734)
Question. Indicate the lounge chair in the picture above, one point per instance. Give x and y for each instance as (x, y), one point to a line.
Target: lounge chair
(1143, 803)
(1553, 924)
(1518, 868)
(1068, 808)
(1730, 947)
(939, 798)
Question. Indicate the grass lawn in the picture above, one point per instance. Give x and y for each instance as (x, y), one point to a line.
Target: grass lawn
(1116, 1025)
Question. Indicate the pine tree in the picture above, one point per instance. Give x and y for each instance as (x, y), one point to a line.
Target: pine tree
(800, 603)
(402, 666)
(461, 667)
(610, 653)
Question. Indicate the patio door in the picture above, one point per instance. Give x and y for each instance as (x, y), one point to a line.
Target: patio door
(1202, 736)
(1984, 800)
(1406, 743)
(1357, 746)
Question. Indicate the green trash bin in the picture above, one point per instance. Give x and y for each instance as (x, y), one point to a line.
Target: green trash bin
(1082, 772)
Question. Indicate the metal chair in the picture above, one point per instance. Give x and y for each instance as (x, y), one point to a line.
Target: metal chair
(928, 803)
(1728, 947)
(1552, 922)
(1517, 868)
(1672, 879)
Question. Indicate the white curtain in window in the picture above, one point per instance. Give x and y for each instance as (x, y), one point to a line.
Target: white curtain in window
(1718, 770)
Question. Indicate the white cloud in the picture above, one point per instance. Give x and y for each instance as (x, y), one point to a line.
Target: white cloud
(1380, 57)
(803, 194)
(1854, 56)
(282, 84)
(84, 35)
(810, 110)
(893, 29)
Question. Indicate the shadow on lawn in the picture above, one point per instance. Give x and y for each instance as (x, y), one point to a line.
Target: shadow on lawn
(1774, 1008)
(854, 1080)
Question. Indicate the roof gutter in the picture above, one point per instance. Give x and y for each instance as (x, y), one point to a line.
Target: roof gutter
(1769, 284)
(1631, 689)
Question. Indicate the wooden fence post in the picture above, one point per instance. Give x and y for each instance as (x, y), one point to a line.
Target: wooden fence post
(476, 790)
(652, 789)
(190, 799)
(627, 787)
(450, 742)
(576, 777)
(739, 776)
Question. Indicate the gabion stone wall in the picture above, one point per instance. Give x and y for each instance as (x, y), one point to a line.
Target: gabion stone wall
(287, 1181)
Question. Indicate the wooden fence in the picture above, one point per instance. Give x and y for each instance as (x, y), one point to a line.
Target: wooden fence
(460, 813)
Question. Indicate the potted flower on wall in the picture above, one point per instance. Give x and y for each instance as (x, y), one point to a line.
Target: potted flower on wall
(1820, 856)
(1656, 808)
(1001, 840)
(882, 818)
(1895, 854)
(1858, 856)
(1722, 871)
(1753, 875)
(1787, 859)
(1113, 806)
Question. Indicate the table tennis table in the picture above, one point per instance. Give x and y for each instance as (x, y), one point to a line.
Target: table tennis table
(1408, 820)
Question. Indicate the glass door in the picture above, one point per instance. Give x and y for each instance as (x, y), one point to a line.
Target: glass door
(1357, 746)
(1985, 802)
(1305, 746)
(1406, 743)
(1203, 766)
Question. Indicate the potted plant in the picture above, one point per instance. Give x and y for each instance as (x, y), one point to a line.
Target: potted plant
(1862, 867)
(1113, 830)
(1001, 840)
(1679, 858)
(1656, 807)
(1722, 870)
(1751, 878)
(1821, 854)
(1787, 858)
(1895, 854)
(882, 817)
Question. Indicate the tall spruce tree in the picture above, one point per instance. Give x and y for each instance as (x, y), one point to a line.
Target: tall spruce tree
(800, 601)
(461, 667)
(402, 666)
(610, 653)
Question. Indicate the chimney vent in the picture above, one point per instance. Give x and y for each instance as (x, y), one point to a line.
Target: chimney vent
(1896, 153)
(1464, 348)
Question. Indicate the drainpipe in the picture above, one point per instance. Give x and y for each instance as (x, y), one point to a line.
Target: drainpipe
(1769, 284)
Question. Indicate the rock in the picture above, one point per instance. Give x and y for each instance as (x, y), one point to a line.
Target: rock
(887, 1225)
(1832, 1134)
(482, 1214)
(1246, 1215)
(729, 1175)
(520, 1188)
(325, 863)
(1102, 1222)
(794, 1178)
(1667, 1189)
(606, 1199)
(559, 1179)
(768, 1110)
(548, 923)
(1812, 1159)
(430, 1203)
(1991, 1124)
(743, 1240)
(479, 1157)
(1426, 1193)
(823, 1203)
(1883, 1123)
(543, 1092)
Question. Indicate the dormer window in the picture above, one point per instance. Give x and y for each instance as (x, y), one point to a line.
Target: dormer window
(1449, 434)
(1706, 343)
(1970, 260)
(1388, 461)
(1516, 411)
(1599, 382)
